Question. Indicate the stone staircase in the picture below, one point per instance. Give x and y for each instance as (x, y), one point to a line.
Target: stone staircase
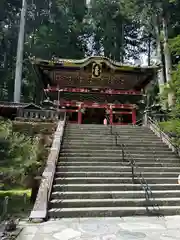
(92, 180)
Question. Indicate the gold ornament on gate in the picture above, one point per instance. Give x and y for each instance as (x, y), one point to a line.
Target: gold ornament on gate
(96, 70)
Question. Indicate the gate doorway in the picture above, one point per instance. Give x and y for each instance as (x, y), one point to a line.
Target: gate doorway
(93, 116)
(122, 119)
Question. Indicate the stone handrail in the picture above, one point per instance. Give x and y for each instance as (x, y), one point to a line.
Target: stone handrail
(40, 208)
(164, 137)
(39, 114)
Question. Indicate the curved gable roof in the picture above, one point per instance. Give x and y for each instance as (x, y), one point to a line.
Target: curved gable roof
(74, 63)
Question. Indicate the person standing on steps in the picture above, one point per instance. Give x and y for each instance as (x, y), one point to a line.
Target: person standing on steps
(105, 121)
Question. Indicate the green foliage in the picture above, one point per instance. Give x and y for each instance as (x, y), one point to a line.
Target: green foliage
(114, 29)
(173, 125)
(176, 87)
(175, 46)
(19, 155)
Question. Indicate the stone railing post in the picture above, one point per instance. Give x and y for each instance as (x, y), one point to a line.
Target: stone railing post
(31, 114)
(145, 118)
(40, 114)
(26, 115)
(37, 115)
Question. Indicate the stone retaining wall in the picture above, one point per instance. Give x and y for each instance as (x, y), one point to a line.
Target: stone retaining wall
(39, 211)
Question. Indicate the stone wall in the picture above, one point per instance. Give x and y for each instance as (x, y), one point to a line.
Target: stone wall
(39, 211)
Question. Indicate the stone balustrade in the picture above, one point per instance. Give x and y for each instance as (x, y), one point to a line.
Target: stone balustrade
(40, 114)
(163, 136)
(39, 212)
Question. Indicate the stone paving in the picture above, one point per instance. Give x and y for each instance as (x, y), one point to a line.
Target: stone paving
(128, 228)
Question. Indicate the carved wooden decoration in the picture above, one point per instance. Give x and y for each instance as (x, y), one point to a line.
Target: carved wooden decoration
(96, 70)
(100, 79)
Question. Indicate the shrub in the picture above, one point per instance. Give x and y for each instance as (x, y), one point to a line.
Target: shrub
(19, 155)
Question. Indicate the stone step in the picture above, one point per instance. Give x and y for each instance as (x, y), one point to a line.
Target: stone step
(90, 145)
(139, 147)
(144, 163)
(118, 151)
(115, 169)
(131, 202)
(115, 174)
(114, 194)
(93, 133)
(116, 154)
(108, 130)
(105, 127)
(99, 126)
(118, 180)
(117, 158)
(112, 211)
(101, 129)
(108, 136)
(125, 136)
(111, 143)
(112, 187)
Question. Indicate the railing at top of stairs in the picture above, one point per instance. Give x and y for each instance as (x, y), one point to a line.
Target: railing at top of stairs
(155, 127)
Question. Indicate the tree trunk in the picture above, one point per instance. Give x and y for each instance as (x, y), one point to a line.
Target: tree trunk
(20, 52)
(122, 44)
(167, 57)
(149, 50)
(159, 56)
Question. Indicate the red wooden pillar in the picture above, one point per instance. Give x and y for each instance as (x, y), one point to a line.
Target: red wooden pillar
(80, 114)
(111, 116)
(134, 116)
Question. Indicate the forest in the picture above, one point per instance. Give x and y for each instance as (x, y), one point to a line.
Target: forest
(124, 30)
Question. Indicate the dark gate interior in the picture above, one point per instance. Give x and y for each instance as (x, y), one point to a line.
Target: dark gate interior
(93, 116)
